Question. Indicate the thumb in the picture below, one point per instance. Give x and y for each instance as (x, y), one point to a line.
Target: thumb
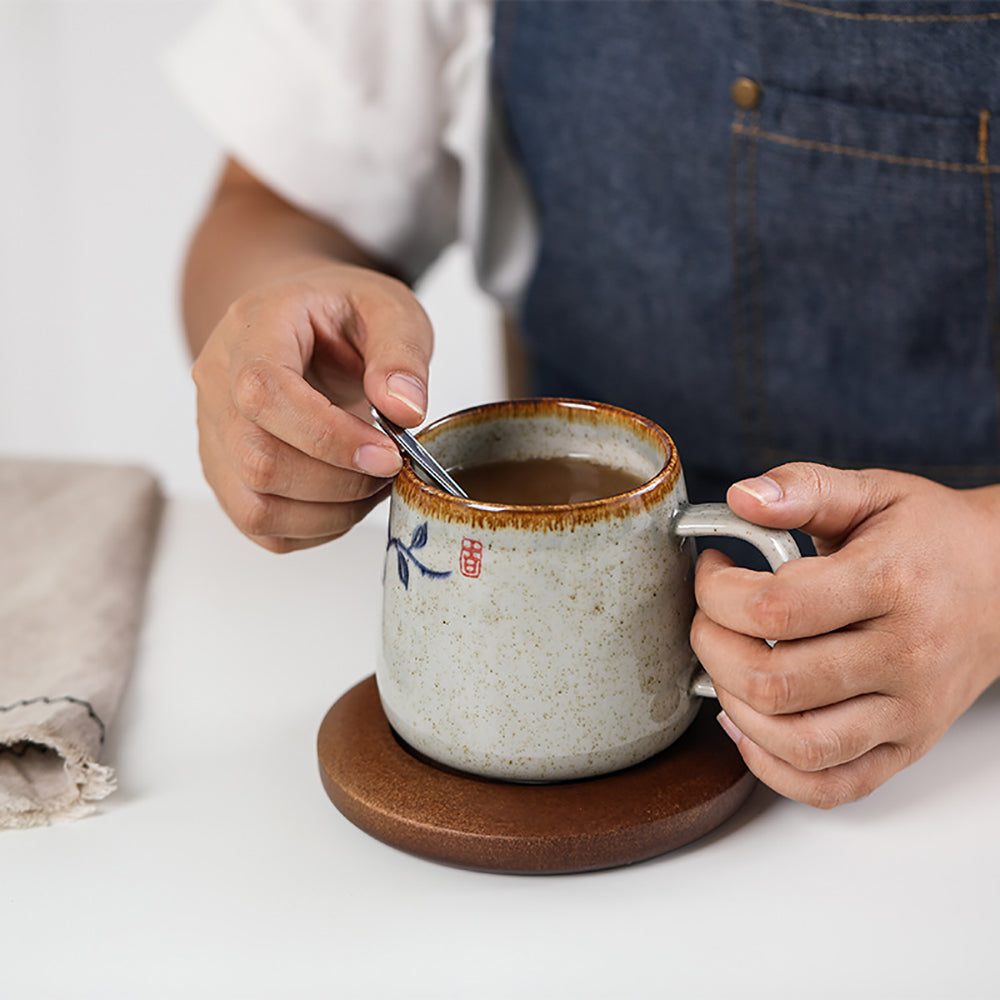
(396, 345)
(824, 502)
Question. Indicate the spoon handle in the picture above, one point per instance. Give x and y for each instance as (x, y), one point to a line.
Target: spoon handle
(418, 454)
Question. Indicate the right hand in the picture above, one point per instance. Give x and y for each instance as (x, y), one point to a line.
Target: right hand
(284, 382)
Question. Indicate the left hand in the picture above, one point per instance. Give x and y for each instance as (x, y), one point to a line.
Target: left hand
(884, 639)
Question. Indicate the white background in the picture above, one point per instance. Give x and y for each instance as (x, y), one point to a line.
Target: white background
(103, 172)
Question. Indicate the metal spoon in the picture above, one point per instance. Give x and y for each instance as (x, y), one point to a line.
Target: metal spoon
(417, 454)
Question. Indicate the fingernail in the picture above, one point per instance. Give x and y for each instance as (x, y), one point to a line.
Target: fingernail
(763, 488)
(377, 461)
(731, 731)
(408, 390)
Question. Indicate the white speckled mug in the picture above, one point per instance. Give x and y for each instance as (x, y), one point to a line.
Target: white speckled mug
(546, 643)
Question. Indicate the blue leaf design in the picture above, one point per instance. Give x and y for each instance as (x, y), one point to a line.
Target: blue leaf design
(405, 556)
(435, 574)
(419, 539)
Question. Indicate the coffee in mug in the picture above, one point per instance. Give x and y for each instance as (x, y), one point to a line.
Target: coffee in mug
(533, 632)
(546, 481)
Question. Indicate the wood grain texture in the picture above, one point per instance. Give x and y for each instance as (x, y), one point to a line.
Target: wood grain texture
(443, 815)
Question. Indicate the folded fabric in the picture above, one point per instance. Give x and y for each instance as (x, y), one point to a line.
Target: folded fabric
(76, 543)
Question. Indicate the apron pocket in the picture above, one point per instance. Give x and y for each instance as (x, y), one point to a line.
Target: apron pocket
(867, 324)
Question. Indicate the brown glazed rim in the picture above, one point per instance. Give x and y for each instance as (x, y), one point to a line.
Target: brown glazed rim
(428, 499)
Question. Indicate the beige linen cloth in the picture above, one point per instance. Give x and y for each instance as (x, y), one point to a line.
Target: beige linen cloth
(76, 542)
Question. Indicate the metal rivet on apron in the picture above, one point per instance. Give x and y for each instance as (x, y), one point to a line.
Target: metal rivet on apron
(746, 93)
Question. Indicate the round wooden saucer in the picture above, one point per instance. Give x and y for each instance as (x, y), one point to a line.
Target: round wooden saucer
(459, 819)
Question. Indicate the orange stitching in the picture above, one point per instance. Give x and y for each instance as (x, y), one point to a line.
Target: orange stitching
(868, 154)
(971, 473)
(845, 15)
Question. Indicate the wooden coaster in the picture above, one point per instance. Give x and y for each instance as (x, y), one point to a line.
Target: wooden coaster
(437, 813)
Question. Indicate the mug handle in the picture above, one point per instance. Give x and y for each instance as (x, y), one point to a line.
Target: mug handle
(705, 519)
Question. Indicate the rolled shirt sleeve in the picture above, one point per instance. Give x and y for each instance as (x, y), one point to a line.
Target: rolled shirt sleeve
(373, 115)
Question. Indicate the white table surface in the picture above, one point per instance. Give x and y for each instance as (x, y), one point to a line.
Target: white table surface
(221, 869)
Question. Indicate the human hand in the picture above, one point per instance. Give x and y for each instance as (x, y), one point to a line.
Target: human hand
(283, 385)
(884, 639)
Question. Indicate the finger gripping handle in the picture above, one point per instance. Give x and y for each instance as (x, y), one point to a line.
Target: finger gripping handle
(706, 519)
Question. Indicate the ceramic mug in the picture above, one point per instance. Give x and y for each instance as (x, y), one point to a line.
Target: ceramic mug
(546, 643)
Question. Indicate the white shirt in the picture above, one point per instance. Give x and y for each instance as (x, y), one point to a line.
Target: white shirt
(374, 115)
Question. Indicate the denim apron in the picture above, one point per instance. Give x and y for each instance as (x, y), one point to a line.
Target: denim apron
(769, 226)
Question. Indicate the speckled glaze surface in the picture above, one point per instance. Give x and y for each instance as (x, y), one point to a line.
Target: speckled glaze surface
(539, 643)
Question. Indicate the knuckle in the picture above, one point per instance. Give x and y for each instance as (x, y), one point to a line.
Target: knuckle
(810, 475)
(255, 515)
(326, 444)
(894, 579)
(253, 387)
(772, 611)
(358, 488)
(243, 311)
(832, 791)
(198, 373)
(816, 750)
(411, 317)
(769, 691)
(412, 354)
(259, 465)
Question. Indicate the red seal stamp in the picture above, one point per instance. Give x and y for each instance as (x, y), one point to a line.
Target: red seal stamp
(470, 561)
